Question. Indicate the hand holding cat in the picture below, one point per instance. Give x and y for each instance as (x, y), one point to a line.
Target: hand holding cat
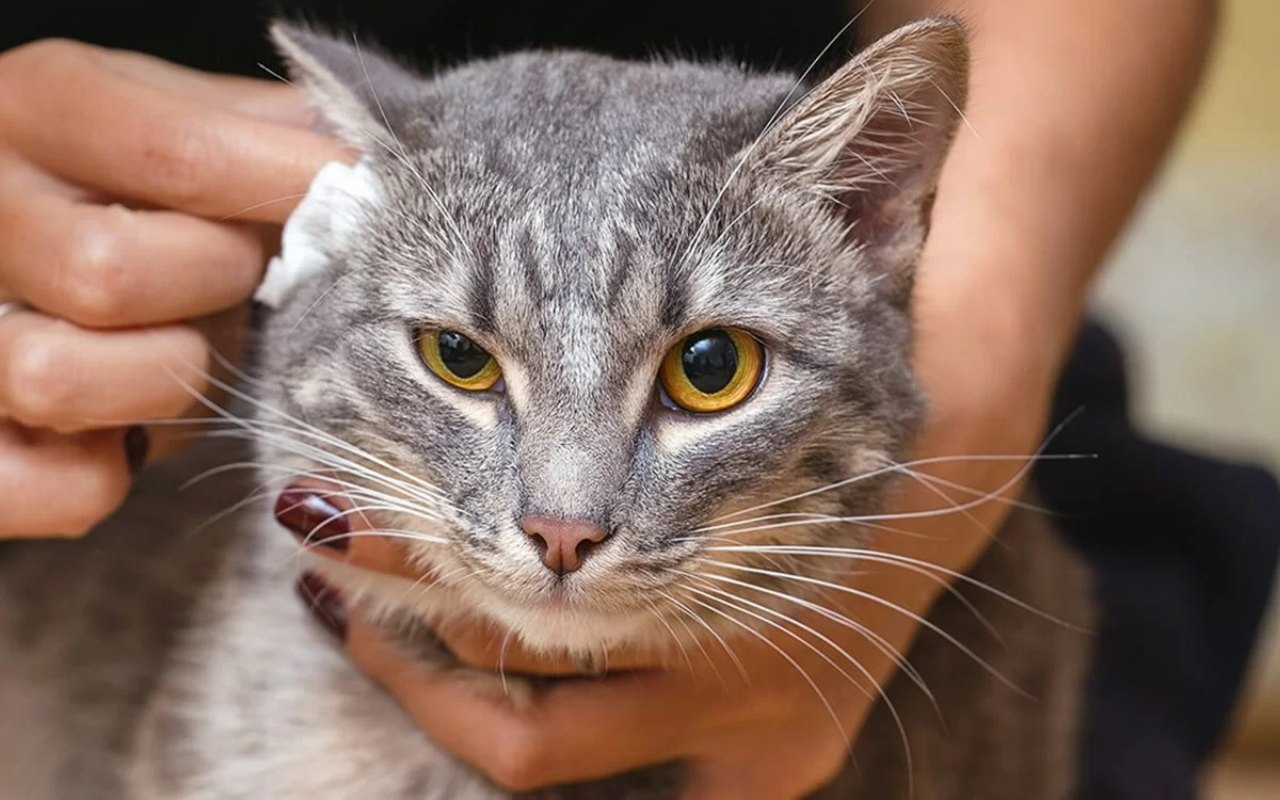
(138, 199)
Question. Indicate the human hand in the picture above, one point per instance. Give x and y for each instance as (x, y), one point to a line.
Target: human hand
(139, 201)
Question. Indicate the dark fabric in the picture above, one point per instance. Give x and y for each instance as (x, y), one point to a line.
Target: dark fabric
(229, 35)
(1185, 549)
(1184, 546)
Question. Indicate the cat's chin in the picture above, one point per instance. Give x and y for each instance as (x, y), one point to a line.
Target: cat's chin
(556, 626)
(552, 625)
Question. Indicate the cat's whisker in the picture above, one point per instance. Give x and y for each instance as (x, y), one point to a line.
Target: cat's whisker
(376, 533)
(920, 479)
(969, 490)
(284, 436)
(1033, 458)
(822, 697)
(919, 566)
(426, 507)
(301, 426)
(281, 199)
(319, 299)
(728, 535)
(688, 612)
(879, 691)
(502, 661)
(879, 557)
(429, 580)
(879, 642)
(657, 614)
(874, 598)
(791, 515)
(268, 432)
(924, 514)
(410, 481)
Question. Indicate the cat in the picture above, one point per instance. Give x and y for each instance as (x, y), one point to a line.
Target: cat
(628, 298)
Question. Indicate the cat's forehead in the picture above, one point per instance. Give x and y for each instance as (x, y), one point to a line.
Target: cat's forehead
(568, 115)
(591, 205)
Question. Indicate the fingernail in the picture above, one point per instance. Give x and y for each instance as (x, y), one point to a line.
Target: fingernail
(325, 603)
(312, 518)
(137, 443)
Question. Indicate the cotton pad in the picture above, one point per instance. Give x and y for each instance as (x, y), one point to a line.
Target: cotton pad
(339, 196)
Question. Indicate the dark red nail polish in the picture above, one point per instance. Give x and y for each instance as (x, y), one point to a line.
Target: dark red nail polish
(137, 443)
(313, 518)
(325, 603)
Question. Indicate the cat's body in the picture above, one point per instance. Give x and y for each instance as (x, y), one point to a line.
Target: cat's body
(178, 656)
(579, 217)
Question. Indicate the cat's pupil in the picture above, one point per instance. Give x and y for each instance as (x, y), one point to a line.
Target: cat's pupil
(462, 356)
(710, 360)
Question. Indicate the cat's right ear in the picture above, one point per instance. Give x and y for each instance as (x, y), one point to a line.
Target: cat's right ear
(361, 94)
(869, 142)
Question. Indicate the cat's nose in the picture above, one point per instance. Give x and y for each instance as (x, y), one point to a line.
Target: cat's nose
(563, 542)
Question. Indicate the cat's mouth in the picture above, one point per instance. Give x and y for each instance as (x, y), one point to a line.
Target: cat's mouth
(564, 621)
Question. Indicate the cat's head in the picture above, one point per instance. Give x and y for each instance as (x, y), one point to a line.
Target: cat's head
(604, 327)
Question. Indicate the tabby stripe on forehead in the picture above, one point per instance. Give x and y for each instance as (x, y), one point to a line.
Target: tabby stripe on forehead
(480, 296)
(528, 255)
(675, 295)
(623, 262)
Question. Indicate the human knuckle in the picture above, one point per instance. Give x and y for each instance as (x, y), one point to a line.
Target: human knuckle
(519, 761)
(40, 55)
(100, 489)
(39, 386)
(177, 158)
(26, 67)
(98, 283)
(828, 760)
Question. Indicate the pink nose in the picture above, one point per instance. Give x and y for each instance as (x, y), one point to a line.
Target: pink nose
(563, 542)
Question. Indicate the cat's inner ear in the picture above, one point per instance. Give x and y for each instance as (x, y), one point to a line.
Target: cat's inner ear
(869, 141)
(361, 94)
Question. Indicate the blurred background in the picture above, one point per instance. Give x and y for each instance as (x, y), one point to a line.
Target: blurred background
(1194, 290)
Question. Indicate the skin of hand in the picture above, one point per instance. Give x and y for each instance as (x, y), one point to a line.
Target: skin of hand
(139, 202)
(1070, 115)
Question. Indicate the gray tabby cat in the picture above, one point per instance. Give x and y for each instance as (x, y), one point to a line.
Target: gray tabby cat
(594, 311)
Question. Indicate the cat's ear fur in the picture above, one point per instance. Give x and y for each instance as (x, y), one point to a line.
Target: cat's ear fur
(340, 77)
(870, 140)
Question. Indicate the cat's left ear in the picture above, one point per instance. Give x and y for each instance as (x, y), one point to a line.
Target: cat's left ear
(870, 140)
(360, 93)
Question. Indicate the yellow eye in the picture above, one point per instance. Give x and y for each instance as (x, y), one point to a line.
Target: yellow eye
(459, 361)
(712, 370)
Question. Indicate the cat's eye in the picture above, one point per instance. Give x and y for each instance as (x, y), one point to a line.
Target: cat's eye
(712, 370)
(458, 361)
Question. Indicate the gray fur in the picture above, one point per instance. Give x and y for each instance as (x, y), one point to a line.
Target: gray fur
(577, 216)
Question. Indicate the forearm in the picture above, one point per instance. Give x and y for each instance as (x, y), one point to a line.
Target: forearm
(1071, 108)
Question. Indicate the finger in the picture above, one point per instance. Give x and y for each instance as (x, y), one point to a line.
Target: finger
(109, 266)
(154, 146)
(778, 764)
(576, 731)
(272, 100)
(56, 375)
(65, 484)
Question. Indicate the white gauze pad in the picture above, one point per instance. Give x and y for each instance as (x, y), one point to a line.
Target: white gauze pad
(330, 212)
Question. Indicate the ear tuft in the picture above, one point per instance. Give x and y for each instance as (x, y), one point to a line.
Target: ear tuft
(359, 92)
(870, 140)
